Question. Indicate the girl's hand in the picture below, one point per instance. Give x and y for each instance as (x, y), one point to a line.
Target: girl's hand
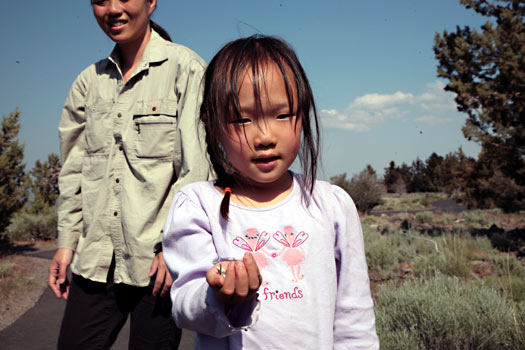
(241, 282)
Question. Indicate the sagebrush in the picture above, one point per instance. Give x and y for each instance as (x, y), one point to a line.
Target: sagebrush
(445, 313)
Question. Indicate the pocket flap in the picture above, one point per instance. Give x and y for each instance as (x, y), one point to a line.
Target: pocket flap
(156, 107)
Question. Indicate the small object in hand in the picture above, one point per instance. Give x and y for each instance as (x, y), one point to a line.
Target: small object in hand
(221, 271)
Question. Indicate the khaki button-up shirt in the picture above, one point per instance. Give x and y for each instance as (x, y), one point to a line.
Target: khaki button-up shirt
(126, 149)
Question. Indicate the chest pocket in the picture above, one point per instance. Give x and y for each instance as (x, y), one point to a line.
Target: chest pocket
(155, 129)
(98, 127)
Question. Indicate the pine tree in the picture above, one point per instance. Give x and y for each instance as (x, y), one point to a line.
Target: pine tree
(13, 180)
(44, 183)
(486, 71)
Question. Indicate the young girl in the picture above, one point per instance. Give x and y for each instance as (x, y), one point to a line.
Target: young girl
(303, 283)
(129, 140)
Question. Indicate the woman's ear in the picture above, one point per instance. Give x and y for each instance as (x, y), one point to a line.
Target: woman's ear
(152, 6)
(204, 118)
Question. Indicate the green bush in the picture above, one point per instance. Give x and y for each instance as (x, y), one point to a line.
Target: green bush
(369, 220)
(444, 313)
(475, 218)
(429, 265)
(5, 269)
(384, 252)
(379, 253)
(26, 225)
(409, 201)
(424, 217)
(444, 219)
(507, 264)
(511, 272)
(365, 188)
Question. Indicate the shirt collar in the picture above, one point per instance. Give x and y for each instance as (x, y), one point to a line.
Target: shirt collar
(155, 51)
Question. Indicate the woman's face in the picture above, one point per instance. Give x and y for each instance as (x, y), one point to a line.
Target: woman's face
(123, 21)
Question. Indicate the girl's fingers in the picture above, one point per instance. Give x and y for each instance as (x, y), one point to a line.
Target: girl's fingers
(228, 287)
(254, 276)
(241, 282)
(215, 279)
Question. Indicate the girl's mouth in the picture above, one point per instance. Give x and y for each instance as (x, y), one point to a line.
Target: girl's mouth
(266, 163)
(265, 159)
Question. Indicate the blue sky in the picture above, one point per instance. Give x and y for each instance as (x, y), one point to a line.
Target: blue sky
(370, 64)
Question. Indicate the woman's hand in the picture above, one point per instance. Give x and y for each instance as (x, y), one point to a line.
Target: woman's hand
(163, 280)
(57, 278)
(241, 282)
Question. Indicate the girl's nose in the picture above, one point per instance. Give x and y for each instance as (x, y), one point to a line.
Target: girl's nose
(264, 136)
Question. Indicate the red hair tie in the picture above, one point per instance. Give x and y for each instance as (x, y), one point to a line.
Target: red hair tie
(227, 190)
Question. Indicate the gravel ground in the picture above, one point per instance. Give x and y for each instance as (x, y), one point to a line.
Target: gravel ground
(32, 269)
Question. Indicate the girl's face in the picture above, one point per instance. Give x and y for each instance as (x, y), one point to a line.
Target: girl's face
(263, 147)
(123, 21)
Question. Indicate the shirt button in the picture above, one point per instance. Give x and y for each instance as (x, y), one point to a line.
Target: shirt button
(120, 148)
(119, 115)
(115, 214)
(117, 180)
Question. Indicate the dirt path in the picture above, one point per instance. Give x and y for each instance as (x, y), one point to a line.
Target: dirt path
(31, 318)
(14, 302)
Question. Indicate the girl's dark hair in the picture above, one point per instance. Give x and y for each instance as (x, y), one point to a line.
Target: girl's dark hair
(162, 32)
(220, 103)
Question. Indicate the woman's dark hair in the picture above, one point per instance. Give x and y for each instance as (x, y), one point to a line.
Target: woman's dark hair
(162, 32)
(220, 103)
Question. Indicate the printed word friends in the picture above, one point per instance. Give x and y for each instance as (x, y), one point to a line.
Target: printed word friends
(276, 295)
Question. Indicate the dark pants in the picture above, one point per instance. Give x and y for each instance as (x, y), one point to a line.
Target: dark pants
(96, 312)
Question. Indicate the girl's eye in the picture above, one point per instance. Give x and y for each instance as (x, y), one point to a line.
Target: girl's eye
(241, 121)
(285, 116)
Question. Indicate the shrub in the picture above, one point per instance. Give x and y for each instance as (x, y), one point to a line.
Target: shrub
(507, 264)
(5, 269)
(428, 265)
(25, 225)
(409, 201)
(384, 252)
(379, 253)
(444, 313)
(369, 220)
(511, 272)
(365, 189)
(475, 218)
(444, 219)
(424, 217)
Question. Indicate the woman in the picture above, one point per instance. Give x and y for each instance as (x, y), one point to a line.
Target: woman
(129, 139)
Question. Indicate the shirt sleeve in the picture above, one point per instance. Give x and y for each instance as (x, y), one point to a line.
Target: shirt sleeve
(189, 253)
(194, 165)
(354, 323)
(71, 135)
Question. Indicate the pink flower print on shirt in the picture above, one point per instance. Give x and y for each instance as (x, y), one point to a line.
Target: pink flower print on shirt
(292, 253)
(254, 243)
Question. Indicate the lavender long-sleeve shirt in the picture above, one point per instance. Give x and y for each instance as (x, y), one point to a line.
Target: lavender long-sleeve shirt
(315, 292)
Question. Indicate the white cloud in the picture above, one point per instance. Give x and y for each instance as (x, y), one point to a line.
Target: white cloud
(433, 120)
(380, 101)
(435, 97)
(368, 110)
